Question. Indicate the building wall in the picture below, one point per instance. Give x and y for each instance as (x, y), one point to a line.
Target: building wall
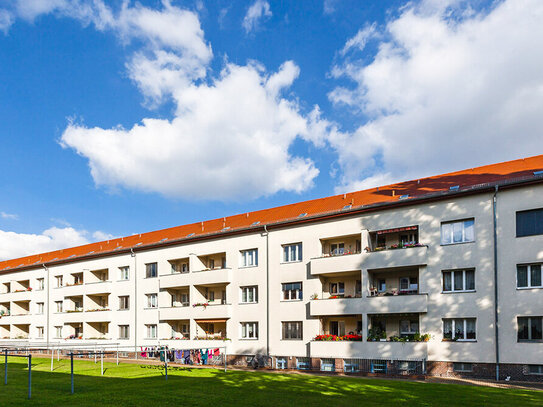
(315, 272)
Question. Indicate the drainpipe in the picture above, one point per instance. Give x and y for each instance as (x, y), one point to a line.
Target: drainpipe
(267, 292)
(496, 328)
(135, 302)
(47, 297)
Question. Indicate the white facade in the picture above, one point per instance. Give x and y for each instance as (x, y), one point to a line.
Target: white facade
(234, 274)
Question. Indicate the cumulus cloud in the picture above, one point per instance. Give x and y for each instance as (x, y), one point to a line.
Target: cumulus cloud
(361, 38)
(6, 20)
(14, 245)
(258, 10)
(448, 87)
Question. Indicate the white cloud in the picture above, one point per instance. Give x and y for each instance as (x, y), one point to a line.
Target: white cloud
(14, 245)
(360, 39)
(447, 88)
(229, 140)
(258, 10)
(329, 6)
(6, 20)
(5, 215)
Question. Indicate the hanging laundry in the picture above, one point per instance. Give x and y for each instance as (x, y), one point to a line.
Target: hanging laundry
(216, 352)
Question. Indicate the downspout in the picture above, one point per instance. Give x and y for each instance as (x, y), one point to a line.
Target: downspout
(47, 297)
(496, 328)
(267, 292)
(135, 302)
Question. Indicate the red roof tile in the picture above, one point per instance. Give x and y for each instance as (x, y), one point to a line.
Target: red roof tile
(489, 174)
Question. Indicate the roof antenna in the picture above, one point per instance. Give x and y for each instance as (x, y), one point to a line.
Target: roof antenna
(344, 196)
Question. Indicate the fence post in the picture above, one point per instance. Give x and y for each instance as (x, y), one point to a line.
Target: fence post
(72, 368)
(94, 353)
(52, 357)
(166, 364)
(6, 367)
(117, 356)
(29, 376)
(225, 359)
(102, 361)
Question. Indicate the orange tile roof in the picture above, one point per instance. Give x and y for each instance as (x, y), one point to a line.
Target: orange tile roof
(510, 171)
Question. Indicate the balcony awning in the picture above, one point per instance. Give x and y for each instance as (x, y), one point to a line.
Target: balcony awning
(396, 230)
(211, 320)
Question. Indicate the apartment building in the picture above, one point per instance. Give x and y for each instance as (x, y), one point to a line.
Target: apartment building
(445, 270)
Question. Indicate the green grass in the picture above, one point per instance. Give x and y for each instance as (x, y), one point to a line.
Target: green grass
(132, 385)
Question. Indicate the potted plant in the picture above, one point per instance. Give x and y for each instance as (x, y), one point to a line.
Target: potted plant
(315, 296)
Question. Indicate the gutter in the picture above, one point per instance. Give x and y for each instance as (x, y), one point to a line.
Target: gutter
(47, 296)
(135, 303)
(267, 291)
(496, 310)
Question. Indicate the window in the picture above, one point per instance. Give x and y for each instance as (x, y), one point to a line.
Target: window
(249, 294)
(124, 302)
(151, 270)
(249, 258)
(337, 288)
(41, 284)
(337, 328)
(358, 288)
(40, 306)
(40, 331)
(151, 331)
(292, 252)
(337, 249)
(458, 231)
(409, 284)
(58, 281)
(351, 365)
(459, 329)
(292, 330)
(58, 305)
(408, 327)
(328, 365)
(529, 328)
(249, 330)
(458, 280)
(58, 332)
(535, 369)
(381, 285)
(124, 332)
(152, 301)
(292, 291)
(124, 273)
(407, 366)
(528, 275)
(530, 223)
(462, 367)
(302, 364)
(281, 363)
(211, 264)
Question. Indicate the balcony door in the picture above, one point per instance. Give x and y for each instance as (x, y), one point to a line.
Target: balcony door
(337, 328)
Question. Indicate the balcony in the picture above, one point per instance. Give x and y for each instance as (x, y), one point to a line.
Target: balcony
(338, 306)
(98, 315)
(219, 311)
(94, 288)
(340, 263)
(175, 313)
(404, 257)
(369, 350)
(215, 276)
(414, 303)
(175, 280)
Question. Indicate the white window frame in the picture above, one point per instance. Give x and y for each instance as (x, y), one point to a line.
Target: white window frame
(59, 306)
(529, 329)
(59, 281)
(40, 332)
(248, 330)
(40, 308)
(539, 368)
(152, 300)
(249, 258)
(151, 331)
(124, 273)
(124, 302)
(298, 292)
(246, 290)
(465, 324)
(462, 367)
(124, 331)
(58, 332)
(41, 284)
(286, 326)
(148, 266)
(453, 284)
(529, 276)
(292, 252)
(339, 290)
(450, 240)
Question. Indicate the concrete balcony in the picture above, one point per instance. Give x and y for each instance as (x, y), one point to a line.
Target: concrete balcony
(338, 306)
(16, 319)
(175, 313)
(394, 304)
(16, 296)
(68, 317)
(336, 264)
(413, 256)
(175, 280)
(98, 316)
(74, 290)
(100, 287)
(369, 350)
(216, 276)
(219, 311)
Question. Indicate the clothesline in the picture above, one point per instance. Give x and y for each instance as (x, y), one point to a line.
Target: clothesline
(203, 356)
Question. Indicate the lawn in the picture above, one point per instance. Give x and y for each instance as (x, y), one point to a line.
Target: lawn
(133, 385)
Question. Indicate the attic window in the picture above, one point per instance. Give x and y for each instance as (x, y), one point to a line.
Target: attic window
(536, 173)
(347, 206)
(256, 223)
(163, 240)
(139, 244)
(73, 255)
(118, 248)
(21, 265)
(190, 234)
(404, 196)
(301, 215)
(226, 228)
(56, 258)
(454, 188)
(91, 252)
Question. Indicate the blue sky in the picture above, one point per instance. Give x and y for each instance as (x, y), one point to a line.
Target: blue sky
(124, 117)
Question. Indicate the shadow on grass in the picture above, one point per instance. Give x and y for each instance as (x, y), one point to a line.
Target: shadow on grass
(132, 385)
